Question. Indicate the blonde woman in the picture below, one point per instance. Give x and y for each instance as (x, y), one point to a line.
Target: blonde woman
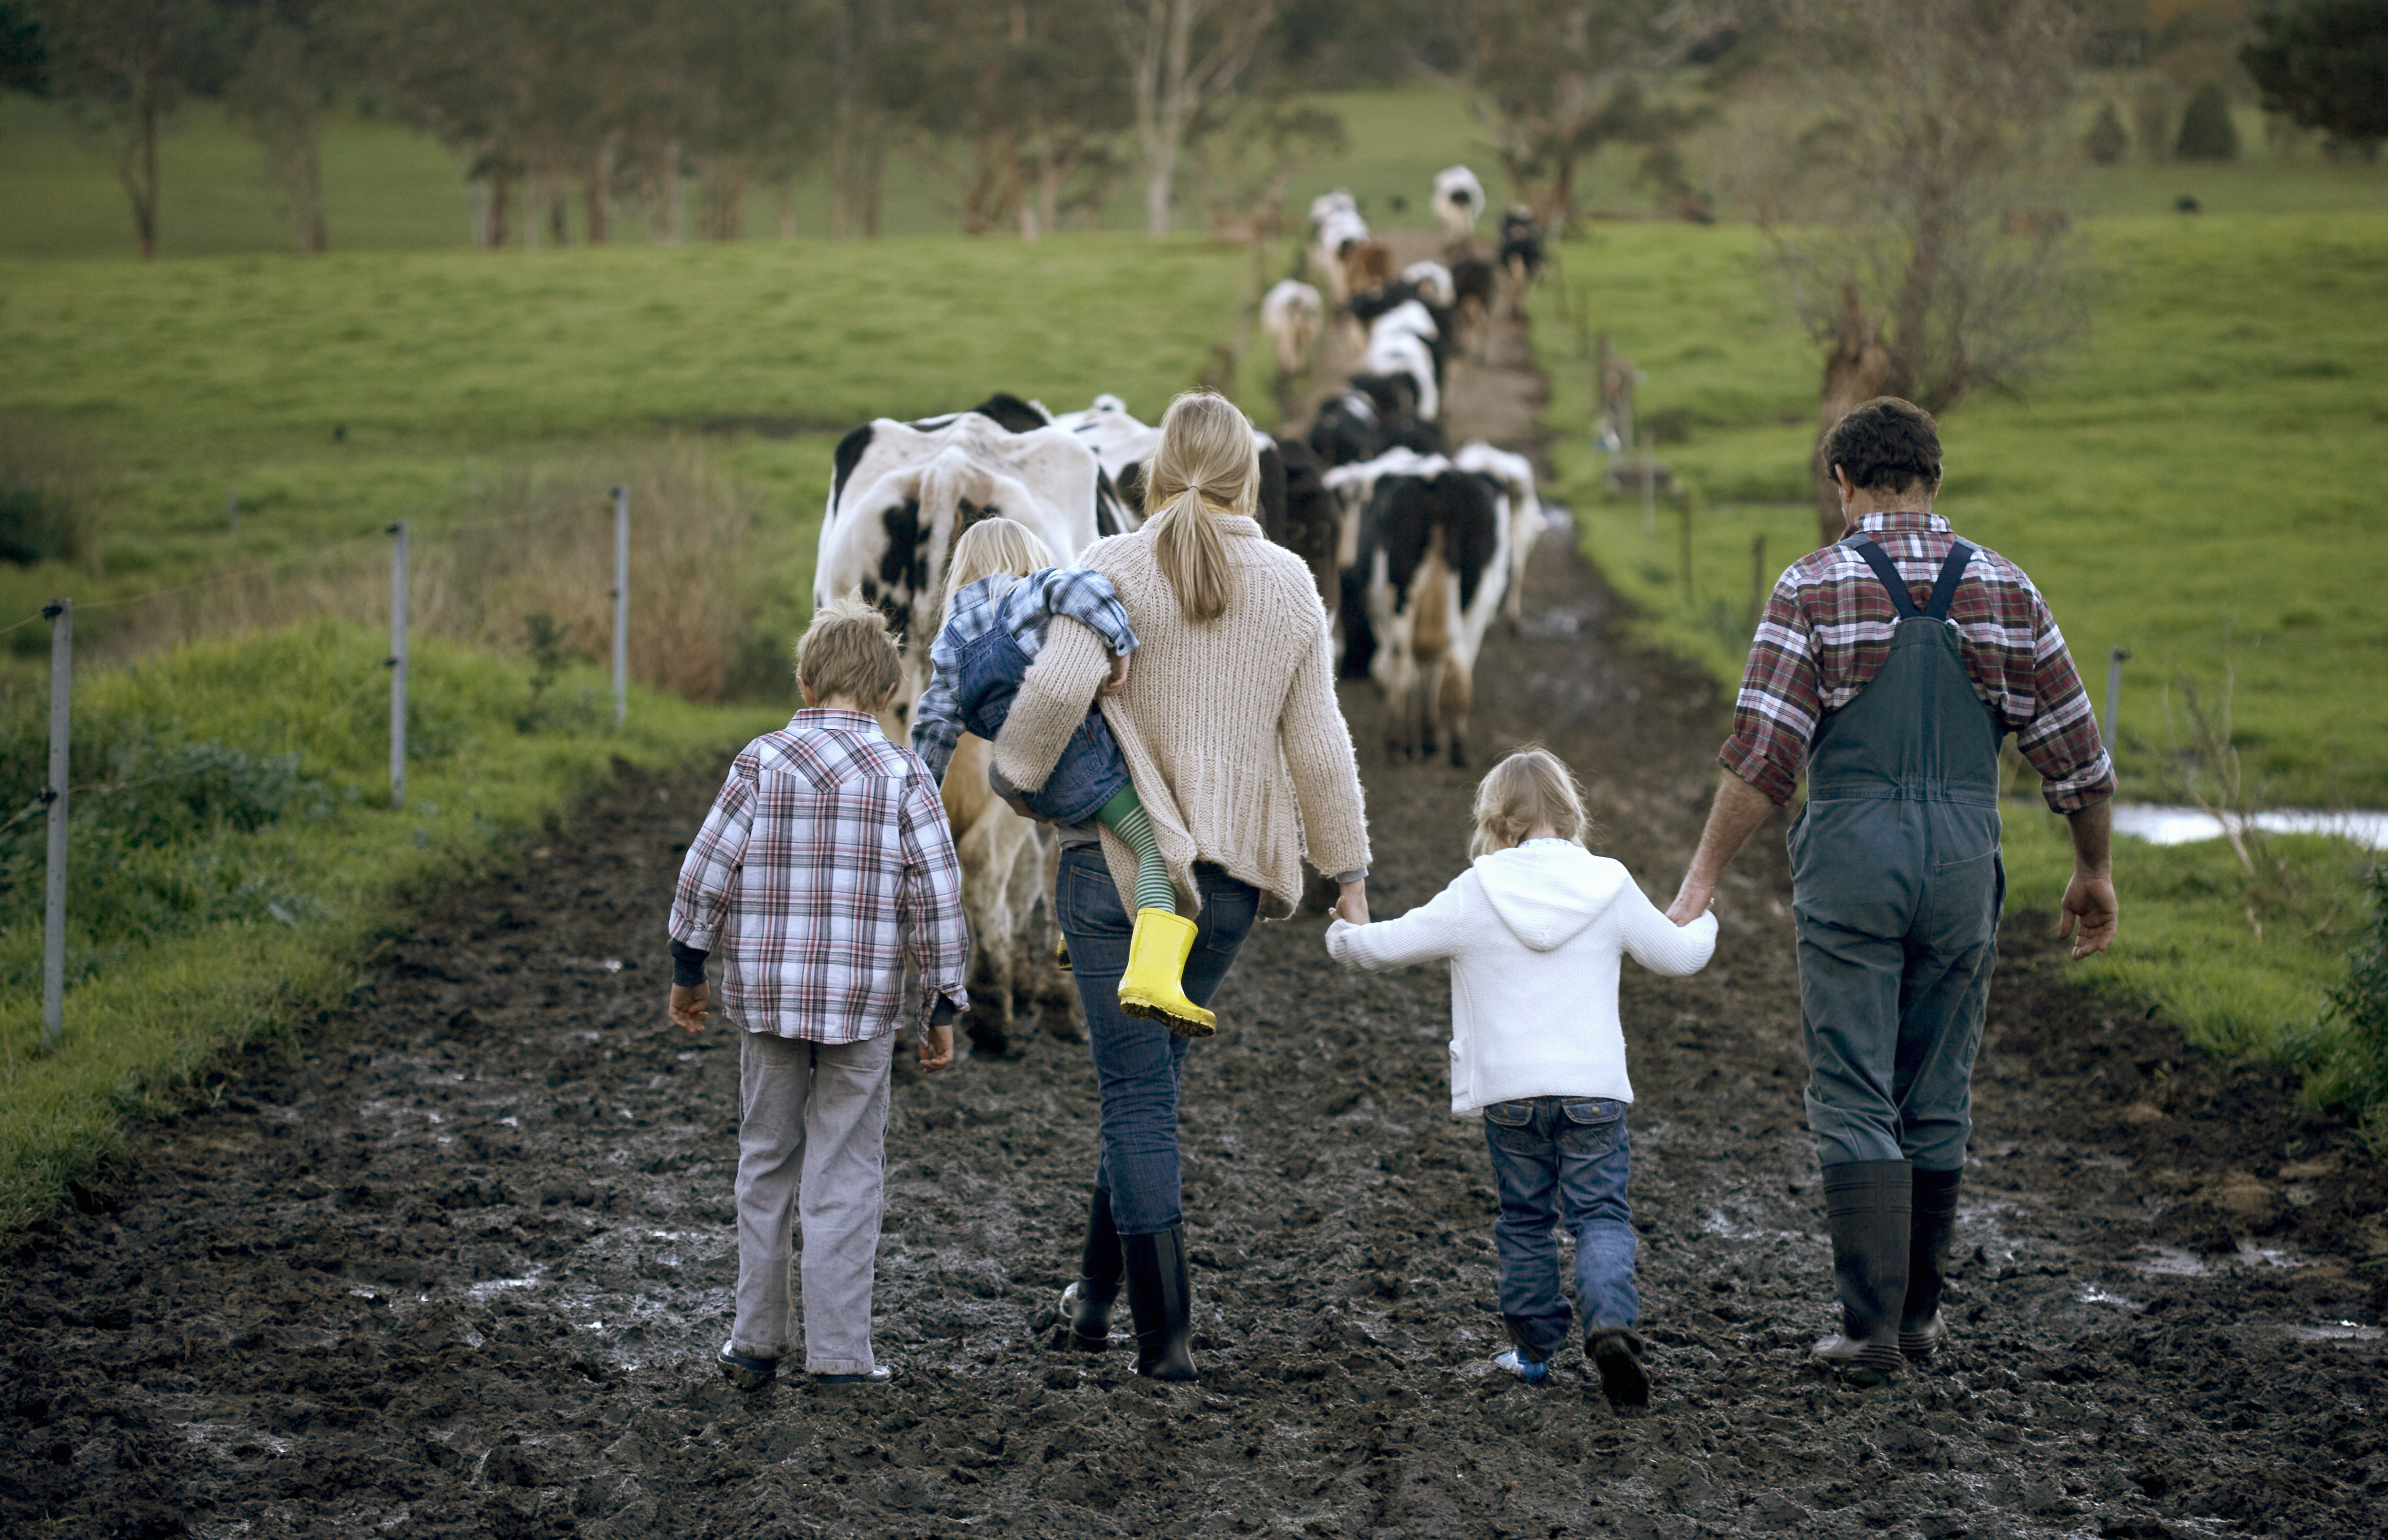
(1534, 931)
(1228, 723)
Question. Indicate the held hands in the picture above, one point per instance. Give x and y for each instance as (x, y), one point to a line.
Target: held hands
(2090, 910)
(1691, 901)
(688, 1003)
(1352, 904)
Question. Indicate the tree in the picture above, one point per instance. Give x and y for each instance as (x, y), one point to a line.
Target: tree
(2206, 132)
(1552, 82)
(24, 52)
(2325, 64)
(296, 52)
(1899, 210)
(2108, 140)
(124, 65)
(1183, 56)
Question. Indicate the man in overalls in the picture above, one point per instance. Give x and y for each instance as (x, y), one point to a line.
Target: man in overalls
(1888, 666)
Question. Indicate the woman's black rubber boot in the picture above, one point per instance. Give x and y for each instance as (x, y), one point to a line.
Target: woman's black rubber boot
(1931, 1221)
(1086, 1305)
(1161, 1299)
(1866, 1206)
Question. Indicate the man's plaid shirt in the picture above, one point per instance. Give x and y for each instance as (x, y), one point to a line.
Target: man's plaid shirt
(1025, 608)
(1826, 634)
(824, 862)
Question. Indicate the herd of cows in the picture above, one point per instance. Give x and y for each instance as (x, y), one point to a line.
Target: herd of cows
(1414, 546)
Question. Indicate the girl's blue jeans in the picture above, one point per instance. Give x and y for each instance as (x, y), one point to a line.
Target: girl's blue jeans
(1138, 1062)
(1562, 1159)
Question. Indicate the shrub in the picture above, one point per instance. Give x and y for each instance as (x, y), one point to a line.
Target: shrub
(48, 489)
(2359, 1010)
(2206, 131)
(2108, 141)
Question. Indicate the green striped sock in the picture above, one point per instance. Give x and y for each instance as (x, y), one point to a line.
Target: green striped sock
(1124, 815)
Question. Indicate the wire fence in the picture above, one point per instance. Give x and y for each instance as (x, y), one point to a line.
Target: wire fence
(58, 789)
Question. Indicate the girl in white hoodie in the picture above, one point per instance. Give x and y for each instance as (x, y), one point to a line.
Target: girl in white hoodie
(1534, 931)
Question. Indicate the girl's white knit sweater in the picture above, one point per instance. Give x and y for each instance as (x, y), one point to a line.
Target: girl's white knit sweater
(1533, 934)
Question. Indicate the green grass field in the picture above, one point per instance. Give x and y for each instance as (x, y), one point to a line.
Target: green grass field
(2206, 463)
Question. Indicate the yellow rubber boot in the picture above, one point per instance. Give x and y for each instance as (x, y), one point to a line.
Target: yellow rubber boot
(1153, 985)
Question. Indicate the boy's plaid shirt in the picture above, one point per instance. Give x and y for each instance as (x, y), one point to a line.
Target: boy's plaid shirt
(1826, 634)
(1026, 609)
(825, 860)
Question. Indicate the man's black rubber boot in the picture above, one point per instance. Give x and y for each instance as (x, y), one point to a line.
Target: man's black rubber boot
(1866, 1206)
(1617, 1354)
(1160, 1301)
(1086, 1305)
(1932, 1220)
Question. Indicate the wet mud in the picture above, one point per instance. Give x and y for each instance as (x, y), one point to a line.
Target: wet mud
(459, 1270)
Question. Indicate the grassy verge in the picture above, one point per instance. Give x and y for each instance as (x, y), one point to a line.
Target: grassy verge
(235, 860)
(2197, 471)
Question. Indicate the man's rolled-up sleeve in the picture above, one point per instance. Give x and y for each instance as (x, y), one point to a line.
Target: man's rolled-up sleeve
(1774, 716)
(2062, 741)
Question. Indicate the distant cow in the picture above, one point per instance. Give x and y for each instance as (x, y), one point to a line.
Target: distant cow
(1521, 247)
(1367, 263)
(1308, 524)
(1515, 475)
(1433, 565)
(1291, 315)
(1458, 201)
(1336, 229)
(1433, 283)
(1124, 448)
(1402, 341)
(1472, 295)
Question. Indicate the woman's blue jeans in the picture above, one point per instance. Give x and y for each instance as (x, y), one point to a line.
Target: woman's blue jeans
(1554, 1158)
(1137, 1062)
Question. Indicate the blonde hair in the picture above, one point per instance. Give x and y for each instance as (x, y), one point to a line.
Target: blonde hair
(990, 546)
(1531, 789)
(1207, 460)
(848, 651)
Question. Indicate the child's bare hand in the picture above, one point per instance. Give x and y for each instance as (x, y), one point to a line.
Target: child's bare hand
(689, 1004)
(938, 1048)
(1118, 679)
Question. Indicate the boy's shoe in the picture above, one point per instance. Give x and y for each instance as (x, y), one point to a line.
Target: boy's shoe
(1153, 985)
(1525, 1369)
(879, 1375)
(743, 1370)
(1617, 1354)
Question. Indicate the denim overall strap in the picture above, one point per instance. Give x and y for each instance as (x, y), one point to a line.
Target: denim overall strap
(1895, 890)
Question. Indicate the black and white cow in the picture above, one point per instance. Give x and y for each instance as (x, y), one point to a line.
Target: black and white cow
(1433, 563)
(1405, 339)
(1458, 201)
(1521, 247)
(1515, 475)
(1125, 446)
(901, 494)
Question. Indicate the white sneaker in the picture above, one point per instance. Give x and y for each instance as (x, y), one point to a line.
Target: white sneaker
(1525, 1369)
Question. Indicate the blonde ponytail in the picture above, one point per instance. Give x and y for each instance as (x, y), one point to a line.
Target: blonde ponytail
(1207, 460)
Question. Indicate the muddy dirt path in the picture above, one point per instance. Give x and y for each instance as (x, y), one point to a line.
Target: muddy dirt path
(460, 1269)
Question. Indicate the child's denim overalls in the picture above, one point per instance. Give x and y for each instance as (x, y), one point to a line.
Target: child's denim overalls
(1090, 771)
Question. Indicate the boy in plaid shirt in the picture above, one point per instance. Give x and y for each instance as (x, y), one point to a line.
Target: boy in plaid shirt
(825, 863)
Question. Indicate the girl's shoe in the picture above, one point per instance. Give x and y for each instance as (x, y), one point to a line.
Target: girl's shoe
(1617, 1353)
(1522, 1367)
(1061, 955)
(1153, 986)
(743, 1370)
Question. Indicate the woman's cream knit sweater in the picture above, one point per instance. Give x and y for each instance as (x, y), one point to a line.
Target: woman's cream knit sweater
(1230, 729)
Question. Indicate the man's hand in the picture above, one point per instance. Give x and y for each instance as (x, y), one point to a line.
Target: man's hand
(1351, 903)
(1735, 814)
(1118, 681)
(2092, 914)
(689, 1004)
(938, 1048)
(1692, 901)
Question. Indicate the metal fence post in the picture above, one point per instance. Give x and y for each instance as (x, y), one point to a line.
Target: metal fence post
(397, 665)
(2114, 656)
(231, 514)
(621, 604)
(54, 894)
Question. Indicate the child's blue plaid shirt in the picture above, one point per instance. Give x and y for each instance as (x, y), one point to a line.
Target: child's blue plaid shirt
(1025, 610)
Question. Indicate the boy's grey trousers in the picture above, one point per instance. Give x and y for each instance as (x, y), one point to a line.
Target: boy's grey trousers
(812, 1134)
